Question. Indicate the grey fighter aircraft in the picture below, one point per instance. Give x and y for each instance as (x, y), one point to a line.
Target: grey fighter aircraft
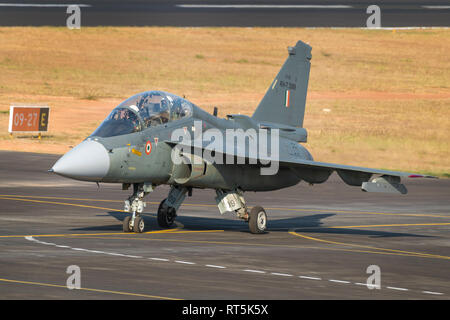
(135, 146)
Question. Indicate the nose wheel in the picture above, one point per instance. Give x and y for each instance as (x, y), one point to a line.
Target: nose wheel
(127, 227)
(137, 226)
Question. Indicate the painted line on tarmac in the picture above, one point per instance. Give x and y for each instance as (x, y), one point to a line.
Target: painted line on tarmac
(339, 281)
(262, 6)
(434, 293)
(258, 245)
(61, 203)
(19, 197)
(215, 266)
(310, 278)
(70, 235)
(281, 274)
(398, 289)
(392, 225)
(89, 289)
(254, 271)
(42, 5)
(84, 234)
(377, 250)
(435, 7)
(184, 262)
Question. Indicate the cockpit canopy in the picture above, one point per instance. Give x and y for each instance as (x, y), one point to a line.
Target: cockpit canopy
(144, 110)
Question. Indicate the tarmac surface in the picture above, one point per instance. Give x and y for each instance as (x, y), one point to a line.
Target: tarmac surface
(320, 241)
(251, 13)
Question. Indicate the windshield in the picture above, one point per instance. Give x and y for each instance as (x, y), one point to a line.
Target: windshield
(149, 109)
(154, 109)
(158, 107)
(120, 121)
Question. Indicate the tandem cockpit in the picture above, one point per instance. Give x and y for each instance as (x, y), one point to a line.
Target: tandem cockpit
(144, 110)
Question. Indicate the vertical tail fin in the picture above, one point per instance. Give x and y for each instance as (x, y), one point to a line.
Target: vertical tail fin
(285, 99)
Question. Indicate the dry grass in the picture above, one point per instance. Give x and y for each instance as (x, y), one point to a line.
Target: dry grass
(389, 92)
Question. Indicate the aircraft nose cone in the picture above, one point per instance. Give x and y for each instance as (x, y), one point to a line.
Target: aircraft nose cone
(88, 161)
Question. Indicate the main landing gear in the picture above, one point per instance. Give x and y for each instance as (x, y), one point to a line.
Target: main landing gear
(167, 210)
(234, 201)
(135, 205)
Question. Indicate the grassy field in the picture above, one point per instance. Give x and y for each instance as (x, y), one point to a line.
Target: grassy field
(388, 92)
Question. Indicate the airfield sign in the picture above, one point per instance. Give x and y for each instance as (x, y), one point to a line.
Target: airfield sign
(28, 119)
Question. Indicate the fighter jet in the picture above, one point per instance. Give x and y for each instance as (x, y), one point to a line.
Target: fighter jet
(157, 138)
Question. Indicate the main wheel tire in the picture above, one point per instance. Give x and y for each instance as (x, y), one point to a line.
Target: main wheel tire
(257, 221)
(139, 224)
(126, 224)
(166, 215)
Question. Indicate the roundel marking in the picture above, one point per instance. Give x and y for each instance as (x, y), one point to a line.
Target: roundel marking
(148, 147)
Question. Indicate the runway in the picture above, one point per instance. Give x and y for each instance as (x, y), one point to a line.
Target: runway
(320, 241)
(230, 13)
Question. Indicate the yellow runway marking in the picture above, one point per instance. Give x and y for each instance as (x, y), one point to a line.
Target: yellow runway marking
(60, 203)
(170, 231)
(82, 234)
(434, 215)
(197, 231)
(380, 250)
(393, 225)
(89, 289)
(58, 198)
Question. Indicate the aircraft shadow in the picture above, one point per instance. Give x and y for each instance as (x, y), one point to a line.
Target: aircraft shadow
(304, 224)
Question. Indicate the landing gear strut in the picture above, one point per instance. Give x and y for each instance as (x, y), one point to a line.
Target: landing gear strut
(234, 201)
(135, 205)
(167, 210)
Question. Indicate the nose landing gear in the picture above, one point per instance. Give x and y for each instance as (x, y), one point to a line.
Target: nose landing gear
(135, 205)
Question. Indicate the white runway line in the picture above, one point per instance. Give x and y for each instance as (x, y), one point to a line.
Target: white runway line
(93, 251)
(214, 266)
(338, 281)
(361, 284)
(184, 262)
(310, 278)
(281, 274)
(43, 5)
(382, 28)
(159, 259)
(436, 7)
(262, 6)
(254, 271)
(115, 254)
(431, 292)
(399, 289)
